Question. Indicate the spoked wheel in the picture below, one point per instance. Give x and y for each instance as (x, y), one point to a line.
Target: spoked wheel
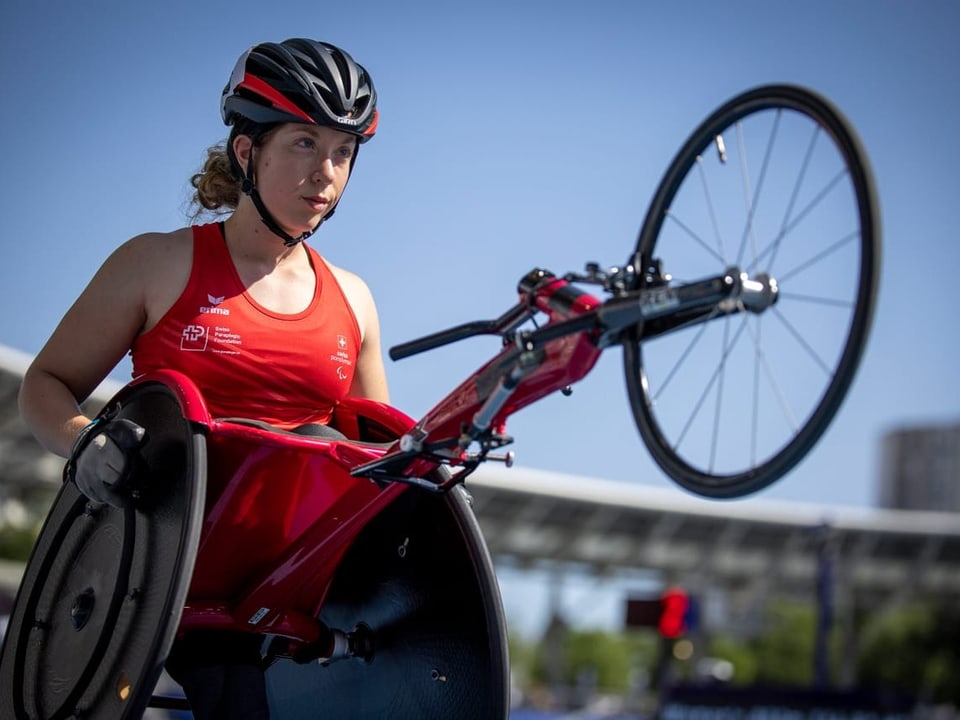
(774, 182)
(103, 591)
(417, 588)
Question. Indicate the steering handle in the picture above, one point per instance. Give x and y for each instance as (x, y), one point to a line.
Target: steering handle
(443, 337)
(500, 326)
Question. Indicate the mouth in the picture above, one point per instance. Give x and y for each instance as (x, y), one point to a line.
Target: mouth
(317, 204)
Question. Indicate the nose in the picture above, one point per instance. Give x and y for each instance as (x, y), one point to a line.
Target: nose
(324, 172)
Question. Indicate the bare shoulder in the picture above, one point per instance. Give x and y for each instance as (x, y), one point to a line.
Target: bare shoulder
(352, 284)
(159, 250)
(359, 297)
(156, 266)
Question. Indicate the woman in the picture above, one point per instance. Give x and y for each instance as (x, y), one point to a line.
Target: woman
(263, 325)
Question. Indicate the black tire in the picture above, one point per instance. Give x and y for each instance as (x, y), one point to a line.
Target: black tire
(817, 232)
(103, 591)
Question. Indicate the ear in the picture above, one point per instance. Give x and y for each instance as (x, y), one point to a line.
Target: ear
(242, 145)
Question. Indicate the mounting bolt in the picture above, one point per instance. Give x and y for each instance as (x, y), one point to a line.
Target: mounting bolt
(82, 608)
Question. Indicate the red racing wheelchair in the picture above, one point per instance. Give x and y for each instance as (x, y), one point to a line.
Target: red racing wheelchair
(356, 558)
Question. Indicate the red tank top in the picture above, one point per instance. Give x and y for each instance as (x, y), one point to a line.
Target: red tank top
(247, 361)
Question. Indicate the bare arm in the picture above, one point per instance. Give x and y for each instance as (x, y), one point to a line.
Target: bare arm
(90, 340)
(370, 378)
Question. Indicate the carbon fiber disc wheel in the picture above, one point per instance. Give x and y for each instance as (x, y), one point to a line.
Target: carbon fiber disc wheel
(104, 588)
(419, 584)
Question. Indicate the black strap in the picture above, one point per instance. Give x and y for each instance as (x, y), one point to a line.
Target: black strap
(248, 187)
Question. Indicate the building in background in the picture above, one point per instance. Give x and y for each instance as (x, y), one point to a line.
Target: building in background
(920, 468)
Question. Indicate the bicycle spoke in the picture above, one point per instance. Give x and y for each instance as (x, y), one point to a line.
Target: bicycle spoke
(719, 403)
(796, 191)
(753, 201)
(773, 247)
(813, 203)
(832, 302)
(683, 357)
(745, 189)
(755, 410)
(711, 210)
(774, 384)
(706, 390)
(700, 241)
(803, 343)
(855, 235)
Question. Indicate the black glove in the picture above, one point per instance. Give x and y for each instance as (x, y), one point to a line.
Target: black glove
(104, 460)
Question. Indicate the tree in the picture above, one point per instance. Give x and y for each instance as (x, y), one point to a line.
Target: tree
(784, 652)
(16, 543)
(736, 652)
(611, 659)
(914, 648)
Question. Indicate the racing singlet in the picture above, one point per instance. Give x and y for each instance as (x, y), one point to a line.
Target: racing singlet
(247, 361)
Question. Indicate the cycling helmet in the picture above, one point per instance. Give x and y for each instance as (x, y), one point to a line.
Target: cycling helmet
(302, 81)
(299, 81)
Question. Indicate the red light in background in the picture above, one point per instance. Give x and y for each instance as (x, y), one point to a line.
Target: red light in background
(673, 618)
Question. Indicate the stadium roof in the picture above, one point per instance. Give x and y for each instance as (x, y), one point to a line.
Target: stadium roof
(751, 547)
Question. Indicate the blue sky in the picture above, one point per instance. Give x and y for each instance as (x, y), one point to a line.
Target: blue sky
(513, 135)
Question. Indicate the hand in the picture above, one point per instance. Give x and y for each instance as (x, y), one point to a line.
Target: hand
(104, 459)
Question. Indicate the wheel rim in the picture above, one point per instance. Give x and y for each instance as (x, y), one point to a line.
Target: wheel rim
(729, 406)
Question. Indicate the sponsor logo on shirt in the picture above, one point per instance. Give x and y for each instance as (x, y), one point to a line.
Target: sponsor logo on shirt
(226, 336)
(194, 338)
(212, 308)
(342, 358)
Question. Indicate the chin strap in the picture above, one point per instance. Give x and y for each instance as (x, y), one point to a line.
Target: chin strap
(249, 188)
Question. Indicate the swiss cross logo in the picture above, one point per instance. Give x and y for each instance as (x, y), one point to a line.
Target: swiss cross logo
(341, 358)
(193, 337)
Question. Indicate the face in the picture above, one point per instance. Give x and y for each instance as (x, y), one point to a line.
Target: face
(300, 172)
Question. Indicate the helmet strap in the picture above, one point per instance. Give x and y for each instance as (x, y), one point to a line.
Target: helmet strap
(248, 187)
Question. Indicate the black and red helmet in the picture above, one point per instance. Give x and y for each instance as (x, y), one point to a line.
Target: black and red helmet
(303, 81)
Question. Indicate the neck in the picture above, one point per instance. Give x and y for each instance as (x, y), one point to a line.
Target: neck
(250, 240)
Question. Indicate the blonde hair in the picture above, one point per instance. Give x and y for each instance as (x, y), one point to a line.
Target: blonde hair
(217, 186)
(219, 182)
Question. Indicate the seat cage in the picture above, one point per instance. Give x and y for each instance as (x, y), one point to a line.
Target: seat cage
(241, 527)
